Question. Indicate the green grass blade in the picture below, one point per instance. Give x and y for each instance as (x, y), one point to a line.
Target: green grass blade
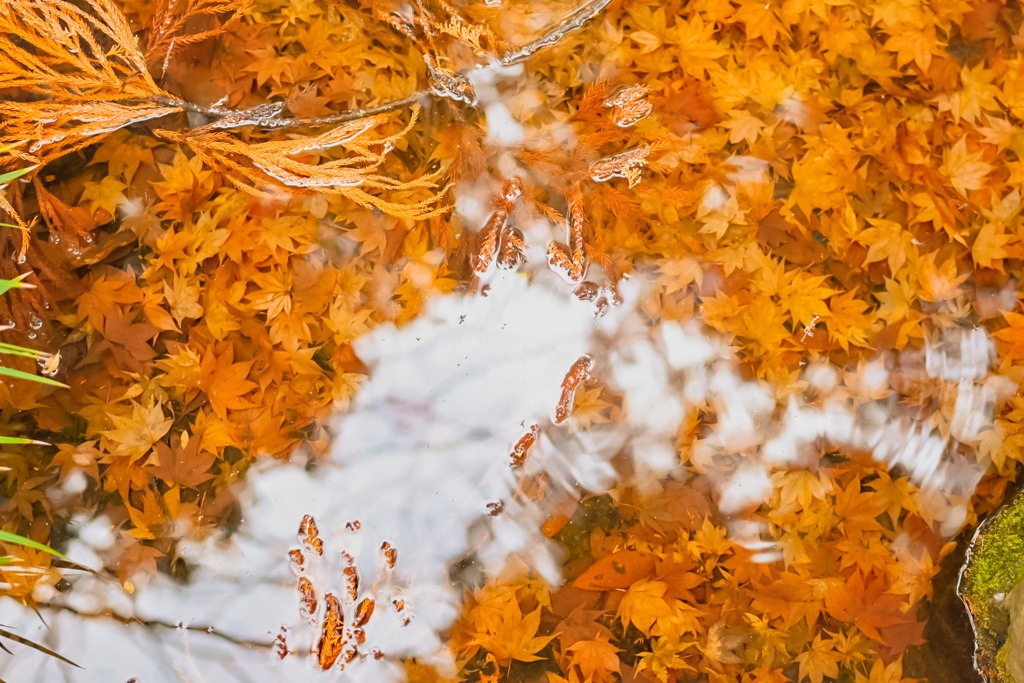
(8, 537)
(17, 282)
(15, 350)
(19, 441)
(18, 374)
(71, 564)
(11, 175)
(4, 633)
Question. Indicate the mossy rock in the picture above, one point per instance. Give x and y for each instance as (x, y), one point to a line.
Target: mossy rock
(992, 587)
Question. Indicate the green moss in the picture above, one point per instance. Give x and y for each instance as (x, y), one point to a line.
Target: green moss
(1001, 663)
(997, 562)
(1011, 655)
(995, 566)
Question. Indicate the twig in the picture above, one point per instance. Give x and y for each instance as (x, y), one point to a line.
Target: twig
(294, 121)
(146, 623)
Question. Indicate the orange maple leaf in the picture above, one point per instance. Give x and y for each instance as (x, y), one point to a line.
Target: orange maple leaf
(515, 637)
(595, 658)
(225, 382)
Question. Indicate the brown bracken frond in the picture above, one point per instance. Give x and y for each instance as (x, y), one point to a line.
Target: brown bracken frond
(169, 28)
(248, 164)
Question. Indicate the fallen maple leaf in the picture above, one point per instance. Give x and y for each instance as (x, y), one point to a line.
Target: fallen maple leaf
(594, 658)
(135, 435)
(616, 571)
(643, 604)
(965, 170)
(515, 637)
(225, 382)
(185, 464)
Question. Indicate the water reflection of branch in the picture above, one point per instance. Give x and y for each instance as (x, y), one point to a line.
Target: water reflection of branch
(569, 24)
(147, 623)
(272, 122)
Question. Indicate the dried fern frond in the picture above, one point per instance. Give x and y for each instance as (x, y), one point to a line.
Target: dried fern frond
(5, 203)
(169, 29)
(82, 71)
(54, 48)
(253, 166)
(58, 128)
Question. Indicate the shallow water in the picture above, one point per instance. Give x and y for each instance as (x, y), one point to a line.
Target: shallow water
(652, 342)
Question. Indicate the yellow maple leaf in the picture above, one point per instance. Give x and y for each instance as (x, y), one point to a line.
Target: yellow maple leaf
(665, 655)
(186, 184)
(988, 249)
(819, 660)
(590, 408)
(134, 435)
(977, 92)
(912, 573)
(805, 296)
(849, 323)
(182, 296)
(594, 658)
(820, 179)
(743, 127)
(720, 646)
(107, 194)
(515, 636)
(643, 604)
(940, 283)
(965, 170)
(760, 20)
(886, 240)
(883, 673)
(346, 323)
(696, 45)
(914, 43)
(647, 40)
(124, 152)
(798, 489)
